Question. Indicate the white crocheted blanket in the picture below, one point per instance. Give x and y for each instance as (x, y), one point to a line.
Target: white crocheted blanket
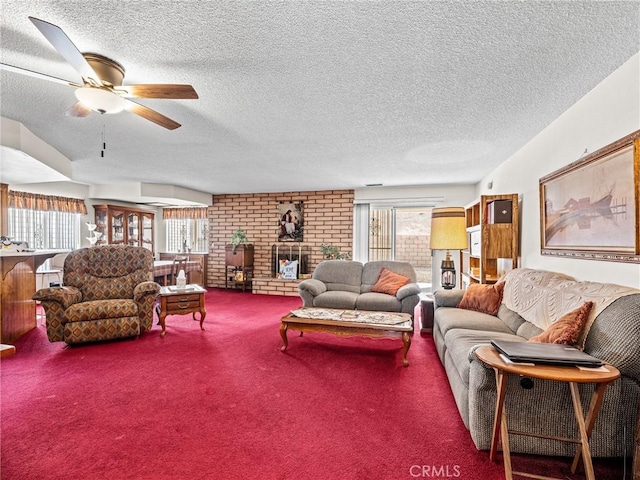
(542, 297)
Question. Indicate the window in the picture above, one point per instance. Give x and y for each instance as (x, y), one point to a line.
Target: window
(395, 230)
(45, 221)
(187, 233)
(187, 229)
(402, 234)
(45, 229)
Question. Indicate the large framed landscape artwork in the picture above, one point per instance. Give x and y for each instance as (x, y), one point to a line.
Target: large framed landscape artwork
(589, 209)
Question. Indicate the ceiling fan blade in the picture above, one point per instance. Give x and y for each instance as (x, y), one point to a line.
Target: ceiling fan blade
(152, 115)
(78, 110)
(66, 48)
(31, 73)
(160, 90)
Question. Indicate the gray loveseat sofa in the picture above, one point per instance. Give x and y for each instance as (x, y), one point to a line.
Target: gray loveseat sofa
(612, 335)
(347, 284)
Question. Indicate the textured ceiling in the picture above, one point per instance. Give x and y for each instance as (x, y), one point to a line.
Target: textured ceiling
(314, 95)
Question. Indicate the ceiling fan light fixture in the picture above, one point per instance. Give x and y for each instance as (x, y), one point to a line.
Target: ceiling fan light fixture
(99, 100)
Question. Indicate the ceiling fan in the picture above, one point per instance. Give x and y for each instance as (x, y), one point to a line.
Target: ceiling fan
(101, 89)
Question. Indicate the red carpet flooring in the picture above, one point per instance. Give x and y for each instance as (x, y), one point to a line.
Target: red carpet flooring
(226, 403)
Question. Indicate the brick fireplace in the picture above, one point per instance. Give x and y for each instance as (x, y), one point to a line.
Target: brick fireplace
(328, 218)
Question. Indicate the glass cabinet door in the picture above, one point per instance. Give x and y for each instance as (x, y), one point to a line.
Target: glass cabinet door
(125, 226)
(147, 231)
(117, 227)
(133, 229)
(101, 225)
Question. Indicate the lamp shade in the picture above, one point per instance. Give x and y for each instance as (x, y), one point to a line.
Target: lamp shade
(448, 229)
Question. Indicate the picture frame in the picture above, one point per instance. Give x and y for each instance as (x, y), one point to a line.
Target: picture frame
(290, 222)
(589, 209)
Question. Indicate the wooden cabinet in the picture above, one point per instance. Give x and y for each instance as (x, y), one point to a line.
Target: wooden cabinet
(176, 302)
(492, 234)
(125, 225)
(17, 285)
(238, 265)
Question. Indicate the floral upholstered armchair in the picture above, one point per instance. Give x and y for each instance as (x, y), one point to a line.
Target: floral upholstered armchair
(107, 293)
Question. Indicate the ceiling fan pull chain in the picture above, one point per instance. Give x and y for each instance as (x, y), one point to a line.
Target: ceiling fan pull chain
(104, 143)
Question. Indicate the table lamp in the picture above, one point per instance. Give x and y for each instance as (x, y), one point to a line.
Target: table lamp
(448, 232)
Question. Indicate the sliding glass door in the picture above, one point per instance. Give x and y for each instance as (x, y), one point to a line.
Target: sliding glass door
(402, 234)
(381, 234)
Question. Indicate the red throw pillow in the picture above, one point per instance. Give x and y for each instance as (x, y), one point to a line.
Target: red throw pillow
(389, 282)
(482, 298)
(567, 329)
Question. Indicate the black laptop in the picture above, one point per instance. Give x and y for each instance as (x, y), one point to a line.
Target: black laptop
(545, 353)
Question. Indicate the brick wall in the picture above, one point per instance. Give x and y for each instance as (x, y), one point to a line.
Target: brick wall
(328, 218)
(415, 250)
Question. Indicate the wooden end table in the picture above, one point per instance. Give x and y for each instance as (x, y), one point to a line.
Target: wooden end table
(573, 376)
(181, 302)
(6, 350)
(349, 328)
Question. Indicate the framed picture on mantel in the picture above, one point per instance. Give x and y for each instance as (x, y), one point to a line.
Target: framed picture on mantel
(589, 209)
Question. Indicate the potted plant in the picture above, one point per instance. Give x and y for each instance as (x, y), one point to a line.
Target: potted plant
(331, 252)
(239, 252)
(239, 237)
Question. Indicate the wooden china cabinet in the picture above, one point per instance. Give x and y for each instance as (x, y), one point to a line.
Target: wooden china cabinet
(125, 226)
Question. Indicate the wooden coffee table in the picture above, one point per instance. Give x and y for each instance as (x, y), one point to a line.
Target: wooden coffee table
(181, 302)
(349, 323)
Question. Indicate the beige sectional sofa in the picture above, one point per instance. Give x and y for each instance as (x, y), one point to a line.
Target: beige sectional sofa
(531, 299)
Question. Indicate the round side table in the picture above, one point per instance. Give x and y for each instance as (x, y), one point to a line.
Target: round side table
(601, 377)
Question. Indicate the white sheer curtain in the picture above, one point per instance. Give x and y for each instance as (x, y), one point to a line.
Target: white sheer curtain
(186, 232)
(45, 229)
(361, 232)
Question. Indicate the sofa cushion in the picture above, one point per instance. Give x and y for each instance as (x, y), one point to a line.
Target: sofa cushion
(389, 282)
(528, 330)
(96, 288)
(483, 298)
(371, 272)
(101, 309)
(510, 318)
(449, 318)
(461, 344)
(378, 301)
(336, 299)
(344, 275)
(102, 329)
(567, 329)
